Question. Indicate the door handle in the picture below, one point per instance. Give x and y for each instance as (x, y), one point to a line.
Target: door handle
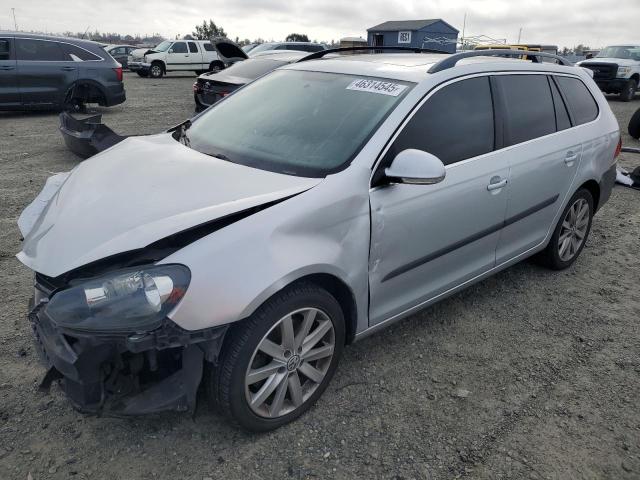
(68, 69)
(6, 67)
(570, 158)
(496, 183)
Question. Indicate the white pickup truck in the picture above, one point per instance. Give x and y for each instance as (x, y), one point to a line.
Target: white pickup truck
(198, 56)
(616, 69)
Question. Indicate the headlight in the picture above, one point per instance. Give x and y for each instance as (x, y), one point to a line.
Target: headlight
(133, 300)
(623, 72)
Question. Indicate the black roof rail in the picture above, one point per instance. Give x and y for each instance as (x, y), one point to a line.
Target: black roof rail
(322, 53)
(452, 60)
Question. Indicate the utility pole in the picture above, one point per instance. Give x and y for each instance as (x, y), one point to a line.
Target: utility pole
(519, 35)
(15, 25)
(464, 26)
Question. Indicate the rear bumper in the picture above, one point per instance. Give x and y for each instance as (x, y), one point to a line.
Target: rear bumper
(125, 374)
(88, 136)
(606, 185)
(114, 95)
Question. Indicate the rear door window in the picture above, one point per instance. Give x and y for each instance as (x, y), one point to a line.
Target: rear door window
(208, 47)
(39, 50)
(5, 49)
(193, 47)
(455, 124)
(528, 105)
(582, 105)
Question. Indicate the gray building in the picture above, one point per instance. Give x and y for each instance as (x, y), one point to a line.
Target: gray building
(434, 34)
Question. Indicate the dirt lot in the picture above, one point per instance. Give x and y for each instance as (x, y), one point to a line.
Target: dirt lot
(530, 374)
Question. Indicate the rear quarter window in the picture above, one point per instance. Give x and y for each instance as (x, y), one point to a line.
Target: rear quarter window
(78, 54)
(581, 103)
(208, 47)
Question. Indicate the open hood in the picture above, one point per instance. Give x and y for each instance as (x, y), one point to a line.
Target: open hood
(228, 51)
(138, 192)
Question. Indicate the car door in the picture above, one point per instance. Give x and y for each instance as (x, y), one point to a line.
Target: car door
(428, 239)
(9, 90)
(178, 57)
(543, 157)
(195, 52)
(45, 71)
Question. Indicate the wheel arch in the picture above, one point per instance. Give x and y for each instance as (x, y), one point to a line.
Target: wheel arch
(81, 82)
(162, 64)
(594, 189)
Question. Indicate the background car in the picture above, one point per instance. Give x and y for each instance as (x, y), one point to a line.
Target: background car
(120, 53)
(211, 87)
(44, 72)
(299, 46)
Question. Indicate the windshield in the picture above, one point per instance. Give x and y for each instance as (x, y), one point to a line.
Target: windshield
(296, 122)
(163, 46)
(263, 47)
(625, 52)
(253, 68)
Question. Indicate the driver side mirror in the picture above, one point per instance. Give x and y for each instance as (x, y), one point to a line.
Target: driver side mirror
(170, 50)
(416, 167)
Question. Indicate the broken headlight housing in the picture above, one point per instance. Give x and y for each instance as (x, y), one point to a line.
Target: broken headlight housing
(132, 300)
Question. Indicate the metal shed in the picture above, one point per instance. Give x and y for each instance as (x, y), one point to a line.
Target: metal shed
(433, 33)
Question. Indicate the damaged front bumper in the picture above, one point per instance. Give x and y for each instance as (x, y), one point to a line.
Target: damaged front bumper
(124, 374)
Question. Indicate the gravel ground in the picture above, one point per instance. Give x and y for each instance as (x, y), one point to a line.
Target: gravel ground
(529, 374)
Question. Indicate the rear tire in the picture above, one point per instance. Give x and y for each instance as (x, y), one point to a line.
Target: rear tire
(629, 91)
(634, 125)
(296, 338)
(571, 232)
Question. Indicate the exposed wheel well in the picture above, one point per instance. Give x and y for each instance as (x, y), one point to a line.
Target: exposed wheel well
(342, 294)
(86, 91)
(594, 189)
(636, 77)
(162, 65)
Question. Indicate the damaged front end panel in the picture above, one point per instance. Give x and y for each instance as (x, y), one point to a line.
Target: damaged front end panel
(110, 366)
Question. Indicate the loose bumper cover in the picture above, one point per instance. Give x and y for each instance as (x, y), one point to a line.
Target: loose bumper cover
(88, 136)
(125, 373)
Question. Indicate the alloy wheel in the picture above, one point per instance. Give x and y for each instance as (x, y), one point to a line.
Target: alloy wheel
(573, 230)
(156, 71)
(290, 363)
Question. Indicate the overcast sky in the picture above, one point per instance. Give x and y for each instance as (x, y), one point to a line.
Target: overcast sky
(564, 23)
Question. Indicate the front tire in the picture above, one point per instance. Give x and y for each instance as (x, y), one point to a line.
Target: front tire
(276, 364)
(571, 232)
(156, 70)
(634, 125)
(629, 91)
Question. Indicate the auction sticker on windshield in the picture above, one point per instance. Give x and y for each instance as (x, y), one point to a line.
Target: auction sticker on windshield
(377, 86)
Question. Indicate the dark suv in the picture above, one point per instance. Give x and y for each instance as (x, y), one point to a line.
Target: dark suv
(42, 72)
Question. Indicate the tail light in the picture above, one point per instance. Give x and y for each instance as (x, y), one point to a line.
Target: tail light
(618, 148)
(118, 73)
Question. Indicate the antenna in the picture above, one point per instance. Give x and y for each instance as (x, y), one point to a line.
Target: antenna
(519, 35)
(15, 25)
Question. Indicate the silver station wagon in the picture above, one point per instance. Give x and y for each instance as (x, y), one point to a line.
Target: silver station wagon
(243, 249)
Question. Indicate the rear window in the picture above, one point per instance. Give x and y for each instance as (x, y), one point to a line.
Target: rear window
(582, 105)
(5, 49)
(528, 106)
(80, 54)
(39, 50)
(253, 68)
